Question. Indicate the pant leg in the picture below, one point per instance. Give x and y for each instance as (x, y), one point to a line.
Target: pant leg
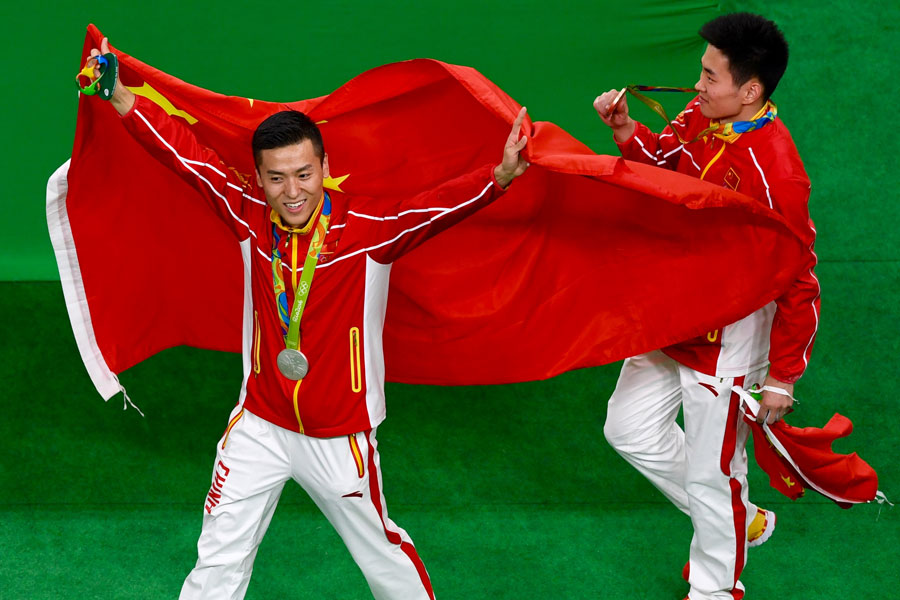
(343, 477)
(640, 423)
(251, 468)
(716, 483)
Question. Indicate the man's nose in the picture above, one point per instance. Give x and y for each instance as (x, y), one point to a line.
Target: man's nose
(292, 188)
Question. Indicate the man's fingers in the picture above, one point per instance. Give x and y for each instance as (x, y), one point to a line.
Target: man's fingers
(602, 103)
(615, 103)
(769, 417)
(517, 125)
(519, 118)
(104, 46)
(774, 405)
(512, 164)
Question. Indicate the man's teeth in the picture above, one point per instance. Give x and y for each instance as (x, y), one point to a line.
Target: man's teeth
(294, 204)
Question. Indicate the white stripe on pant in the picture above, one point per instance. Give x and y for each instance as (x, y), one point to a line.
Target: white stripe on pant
(250, 472)
(702, 469)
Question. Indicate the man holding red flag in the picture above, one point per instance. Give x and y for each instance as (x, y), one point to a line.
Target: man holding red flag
(729, 135)
(313, 392)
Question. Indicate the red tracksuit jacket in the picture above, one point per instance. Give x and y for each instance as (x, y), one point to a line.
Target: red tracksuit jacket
(763, 164)
(342, 324)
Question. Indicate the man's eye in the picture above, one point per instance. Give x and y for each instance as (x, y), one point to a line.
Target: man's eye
(275, 179)
(304, 176)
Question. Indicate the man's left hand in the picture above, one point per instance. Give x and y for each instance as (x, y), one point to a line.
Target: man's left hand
(123, 98)
(773, 406)
(514, 164)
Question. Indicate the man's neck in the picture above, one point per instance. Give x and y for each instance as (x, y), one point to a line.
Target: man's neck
(748, 113)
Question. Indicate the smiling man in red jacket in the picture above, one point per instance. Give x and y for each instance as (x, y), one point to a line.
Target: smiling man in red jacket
(316, 268)
(729, 135)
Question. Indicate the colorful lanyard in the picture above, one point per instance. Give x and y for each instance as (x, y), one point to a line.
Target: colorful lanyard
(290, 320)
(726, 129)
(107, 65)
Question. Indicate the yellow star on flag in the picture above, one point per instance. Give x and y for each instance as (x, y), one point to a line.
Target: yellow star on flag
(334, 183)
(154, 96)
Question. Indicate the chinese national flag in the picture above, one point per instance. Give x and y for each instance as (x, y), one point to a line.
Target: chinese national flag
(797, 458)
(586, 260)
(801, 458)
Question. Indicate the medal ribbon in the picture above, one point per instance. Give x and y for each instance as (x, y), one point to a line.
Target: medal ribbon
(724, 130)
(290, 321)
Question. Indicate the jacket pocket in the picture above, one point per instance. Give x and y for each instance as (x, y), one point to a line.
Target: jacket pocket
(355, 363)
(257, 335)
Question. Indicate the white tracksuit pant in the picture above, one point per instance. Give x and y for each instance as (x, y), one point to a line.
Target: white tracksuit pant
(701, 469)
(342, 475)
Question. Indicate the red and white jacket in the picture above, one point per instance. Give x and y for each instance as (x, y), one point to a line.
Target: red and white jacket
(341, 330)
(763, 164)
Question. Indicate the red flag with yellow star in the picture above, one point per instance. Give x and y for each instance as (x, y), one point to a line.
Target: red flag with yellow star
(801, 458)
(586, 260)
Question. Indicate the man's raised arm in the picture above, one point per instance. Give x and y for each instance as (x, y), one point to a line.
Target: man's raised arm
(174, 145)
(417, 219)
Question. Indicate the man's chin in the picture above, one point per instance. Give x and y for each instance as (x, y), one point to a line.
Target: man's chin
(295, 221)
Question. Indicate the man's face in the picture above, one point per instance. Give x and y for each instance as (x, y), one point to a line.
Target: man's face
(291, 177)
(720, 98)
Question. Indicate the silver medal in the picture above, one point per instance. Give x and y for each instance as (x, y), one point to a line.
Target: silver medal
(292, 364)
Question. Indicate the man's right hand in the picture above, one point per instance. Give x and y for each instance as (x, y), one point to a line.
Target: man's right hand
(123, 98)
(619, 121)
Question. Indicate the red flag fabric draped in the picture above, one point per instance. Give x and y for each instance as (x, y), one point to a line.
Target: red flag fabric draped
(586, 260)
(801, 458)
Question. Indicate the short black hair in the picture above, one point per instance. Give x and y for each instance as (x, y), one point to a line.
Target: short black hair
(286, 128)
(754, 46)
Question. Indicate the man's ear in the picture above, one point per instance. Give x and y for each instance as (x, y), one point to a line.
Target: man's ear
(258, 178)
(325, 170)
(752, 91)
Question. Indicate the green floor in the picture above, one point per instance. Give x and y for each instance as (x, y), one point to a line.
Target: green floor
(509, 492)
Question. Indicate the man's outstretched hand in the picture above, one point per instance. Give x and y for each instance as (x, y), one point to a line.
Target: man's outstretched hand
(514, 164)
(123, 98)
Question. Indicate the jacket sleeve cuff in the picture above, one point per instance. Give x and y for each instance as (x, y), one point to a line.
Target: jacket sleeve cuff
(627, 144)
(782, 376)
(130, 112)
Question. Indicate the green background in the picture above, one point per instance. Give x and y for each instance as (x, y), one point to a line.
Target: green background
(510, 491)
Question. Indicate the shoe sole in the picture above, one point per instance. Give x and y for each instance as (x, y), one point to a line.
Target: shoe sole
(767, 532)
